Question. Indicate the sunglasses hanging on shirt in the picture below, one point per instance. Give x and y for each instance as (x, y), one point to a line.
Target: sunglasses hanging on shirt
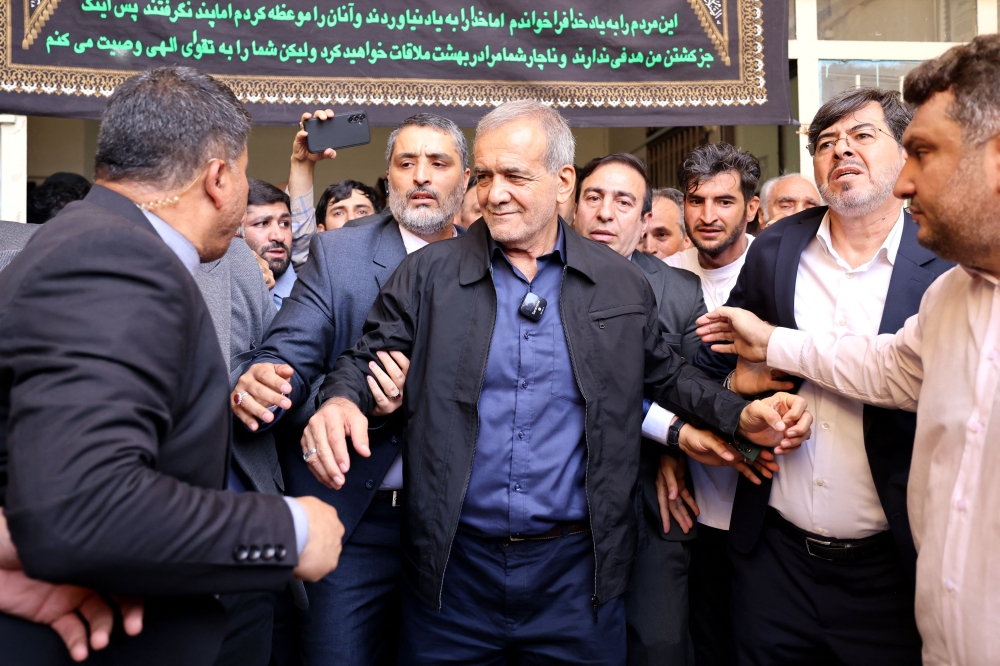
(533, 306)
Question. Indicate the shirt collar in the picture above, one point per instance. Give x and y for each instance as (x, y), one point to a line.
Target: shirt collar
(413, 242)
(558, 252)
(889, 247)
(283, 285)
(182, 247)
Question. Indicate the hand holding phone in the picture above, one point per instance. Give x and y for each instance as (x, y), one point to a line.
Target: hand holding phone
(341, 131)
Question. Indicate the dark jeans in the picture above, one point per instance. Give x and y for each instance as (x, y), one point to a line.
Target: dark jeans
(711, 575)
(353, 615)
(656, 603)
(527, 602)
(792, 608)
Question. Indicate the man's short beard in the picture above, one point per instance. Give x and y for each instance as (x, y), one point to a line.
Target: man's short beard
(855, 203)
(423, 220)
(965, 216)
(727, 243)
(278, 266)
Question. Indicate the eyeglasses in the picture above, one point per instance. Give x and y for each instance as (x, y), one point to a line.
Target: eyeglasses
(863, 136)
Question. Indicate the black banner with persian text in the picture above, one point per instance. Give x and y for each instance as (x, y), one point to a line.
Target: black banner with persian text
(653, 63)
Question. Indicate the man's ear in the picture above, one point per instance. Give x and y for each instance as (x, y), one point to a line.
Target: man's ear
(646, 220)
(218, 180)
(991, 164)
(567, 183)
(752, 209)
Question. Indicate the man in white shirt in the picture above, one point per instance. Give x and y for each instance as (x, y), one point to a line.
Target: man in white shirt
(944, 363)
(832, 525)
(718, 182)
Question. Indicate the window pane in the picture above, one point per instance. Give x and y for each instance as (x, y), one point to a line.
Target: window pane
(791, 19)
(836, 76)
(897, 20)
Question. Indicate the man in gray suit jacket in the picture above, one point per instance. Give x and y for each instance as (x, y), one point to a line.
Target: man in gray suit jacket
(353, 614)
(614, 199)
(13, 237)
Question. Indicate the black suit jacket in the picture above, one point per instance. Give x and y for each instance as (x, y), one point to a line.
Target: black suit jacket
(679, 303)
(766, 287)
(114, 414)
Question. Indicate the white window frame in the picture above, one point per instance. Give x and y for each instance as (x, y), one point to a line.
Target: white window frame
(808, 50)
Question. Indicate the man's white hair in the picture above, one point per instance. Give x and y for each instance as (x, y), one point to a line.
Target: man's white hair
(560, 148)
(765, 193)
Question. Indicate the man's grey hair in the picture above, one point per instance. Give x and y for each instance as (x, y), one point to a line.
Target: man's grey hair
(677, 197)
(560, 148)
(765, 193)
(439, 123)
(161, 126)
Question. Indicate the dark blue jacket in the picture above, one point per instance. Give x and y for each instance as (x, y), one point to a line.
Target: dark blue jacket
(766, 287)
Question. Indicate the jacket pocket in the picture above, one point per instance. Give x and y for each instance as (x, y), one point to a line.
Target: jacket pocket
(600, 316)
(673, 340)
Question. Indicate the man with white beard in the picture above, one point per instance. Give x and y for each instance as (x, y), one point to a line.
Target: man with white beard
(827, 542)
(353, 616)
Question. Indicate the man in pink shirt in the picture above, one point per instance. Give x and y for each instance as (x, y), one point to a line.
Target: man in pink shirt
(945, 361)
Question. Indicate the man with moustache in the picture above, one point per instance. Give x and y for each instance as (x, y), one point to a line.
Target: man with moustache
(531, 348)
(943, 362)
(353, 615)
(268, 231)
(718, 182)
(612, 207)
(833, 524)
(786, 195)
(665, 235)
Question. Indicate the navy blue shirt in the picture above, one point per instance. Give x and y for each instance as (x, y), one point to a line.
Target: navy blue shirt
(529, 470)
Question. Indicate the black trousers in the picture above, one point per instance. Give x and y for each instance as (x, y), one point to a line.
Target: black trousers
(656, 603)
(249, 627)
(711, 575)
(792, 608)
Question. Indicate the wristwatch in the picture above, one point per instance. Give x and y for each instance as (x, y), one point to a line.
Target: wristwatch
(674, 433)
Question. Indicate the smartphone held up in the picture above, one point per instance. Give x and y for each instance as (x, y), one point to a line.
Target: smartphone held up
(341, 131)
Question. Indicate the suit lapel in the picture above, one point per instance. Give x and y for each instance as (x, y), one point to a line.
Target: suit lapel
(389, 252)
(909, 279)
(793, 242)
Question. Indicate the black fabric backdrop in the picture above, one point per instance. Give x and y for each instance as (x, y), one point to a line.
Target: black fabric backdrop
(654, 63)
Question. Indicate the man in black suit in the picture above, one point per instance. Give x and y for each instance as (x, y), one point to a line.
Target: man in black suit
(613, 206)
(353, 613)
(828, 543)
(114, 395)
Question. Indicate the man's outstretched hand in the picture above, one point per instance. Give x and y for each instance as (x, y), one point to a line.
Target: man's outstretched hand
(736, 331)
(327, 433)
(779, 421)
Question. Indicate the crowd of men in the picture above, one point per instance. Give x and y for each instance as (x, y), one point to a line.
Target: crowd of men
(515, 411)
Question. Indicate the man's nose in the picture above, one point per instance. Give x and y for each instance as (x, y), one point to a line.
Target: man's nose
(606, 211)
(422, 173)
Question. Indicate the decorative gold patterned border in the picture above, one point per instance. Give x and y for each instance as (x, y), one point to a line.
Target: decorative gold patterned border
(720, 39)
(749, 90)
(35, 21)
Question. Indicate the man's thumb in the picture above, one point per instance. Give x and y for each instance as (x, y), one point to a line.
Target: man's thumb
(771, 416)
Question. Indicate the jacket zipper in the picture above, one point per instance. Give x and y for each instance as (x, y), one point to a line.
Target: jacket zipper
(468, 476)
(586, 440)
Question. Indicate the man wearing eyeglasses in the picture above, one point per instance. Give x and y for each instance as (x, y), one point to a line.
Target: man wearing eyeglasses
(827, 542)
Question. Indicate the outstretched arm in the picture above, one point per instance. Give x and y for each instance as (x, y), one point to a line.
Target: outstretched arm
(886, 370)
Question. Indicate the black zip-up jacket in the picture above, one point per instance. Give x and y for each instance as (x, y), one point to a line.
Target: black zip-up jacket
(439, 308)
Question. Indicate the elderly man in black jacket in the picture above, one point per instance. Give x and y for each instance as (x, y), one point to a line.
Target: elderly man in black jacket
(531, 349)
